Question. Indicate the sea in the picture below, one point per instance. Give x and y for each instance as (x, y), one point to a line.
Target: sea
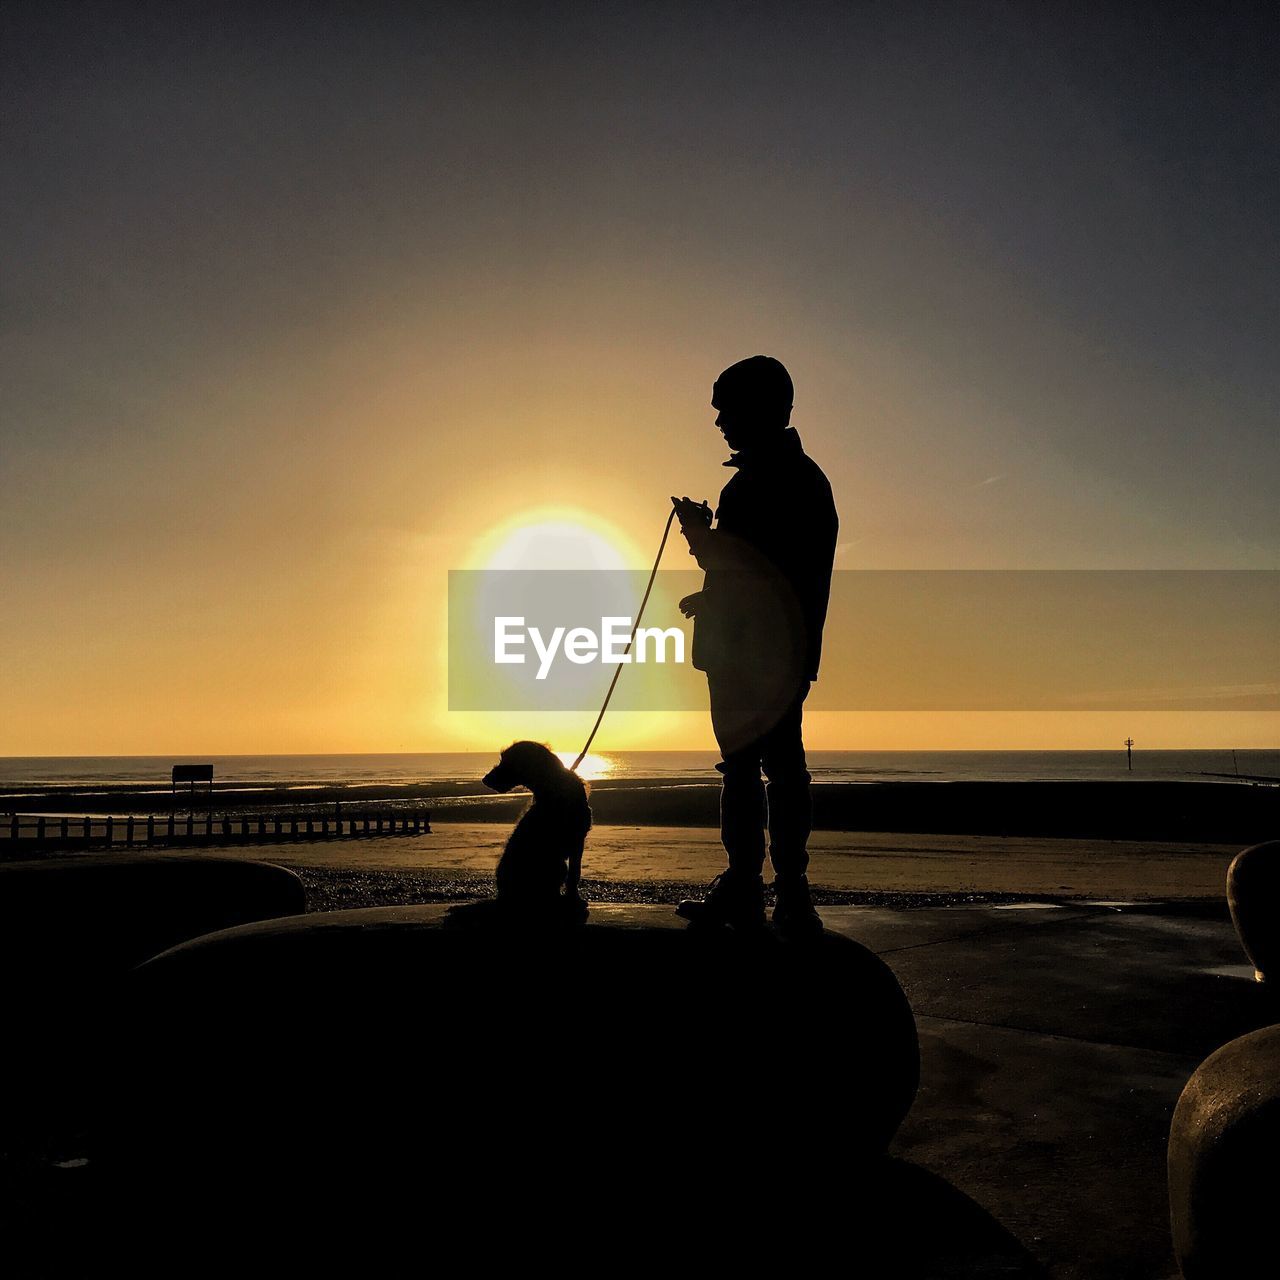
(302, 771)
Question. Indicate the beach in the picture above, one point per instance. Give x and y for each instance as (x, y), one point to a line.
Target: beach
(1042, 954)
(662, 864)
(891, 829)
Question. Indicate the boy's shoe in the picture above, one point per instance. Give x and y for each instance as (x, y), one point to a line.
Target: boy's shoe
(573, 907)
(794, 915)
(732, 899)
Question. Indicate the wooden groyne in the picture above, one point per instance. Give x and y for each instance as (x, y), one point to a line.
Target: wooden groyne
(19, 832)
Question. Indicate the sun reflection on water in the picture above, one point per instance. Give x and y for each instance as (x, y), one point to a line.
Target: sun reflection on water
(592, 767)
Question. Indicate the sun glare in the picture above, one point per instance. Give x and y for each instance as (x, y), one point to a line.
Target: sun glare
(563, 538)
(555, 538)
(592, 766)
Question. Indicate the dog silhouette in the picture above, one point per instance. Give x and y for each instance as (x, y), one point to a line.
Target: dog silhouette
(540, 869)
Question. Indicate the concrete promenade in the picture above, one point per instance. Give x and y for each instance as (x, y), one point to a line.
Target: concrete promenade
(1055, 1040)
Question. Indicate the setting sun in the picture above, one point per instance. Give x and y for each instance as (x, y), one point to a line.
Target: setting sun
(555, 538)
(568, 538)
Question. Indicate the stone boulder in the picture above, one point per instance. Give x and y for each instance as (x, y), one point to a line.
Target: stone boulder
(71, 927)
(1224, 1160)
(1253, 894)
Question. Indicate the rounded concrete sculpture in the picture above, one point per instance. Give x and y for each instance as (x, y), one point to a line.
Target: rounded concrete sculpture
(1224, 1152)
(111, 911)
(631, 1075)
(70, 927)
(1253, 894)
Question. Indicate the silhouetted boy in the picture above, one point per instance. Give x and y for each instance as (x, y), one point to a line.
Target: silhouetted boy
(758, 636)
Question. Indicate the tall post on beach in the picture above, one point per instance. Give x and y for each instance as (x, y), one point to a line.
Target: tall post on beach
(1128, 749)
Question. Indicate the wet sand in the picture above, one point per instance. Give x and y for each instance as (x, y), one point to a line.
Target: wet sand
(639, 863)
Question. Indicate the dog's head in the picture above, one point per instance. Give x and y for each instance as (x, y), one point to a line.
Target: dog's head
(526, 764)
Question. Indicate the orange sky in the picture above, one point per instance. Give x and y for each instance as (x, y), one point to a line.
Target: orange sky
(298, 325)
(272, 577)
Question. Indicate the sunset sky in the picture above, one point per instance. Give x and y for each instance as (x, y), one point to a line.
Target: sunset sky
(306, 305)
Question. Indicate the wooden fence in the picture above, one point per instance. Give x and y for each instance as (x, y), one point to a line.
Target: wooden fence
(24, 831)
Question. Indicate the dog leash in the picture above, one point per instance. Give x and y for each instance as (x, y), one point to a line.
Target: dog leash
(617, 671)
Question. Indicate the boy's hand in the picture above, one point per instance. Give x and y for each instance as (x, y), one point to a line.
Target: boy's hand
(695, 522)
(689, 605)
(691, 513)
